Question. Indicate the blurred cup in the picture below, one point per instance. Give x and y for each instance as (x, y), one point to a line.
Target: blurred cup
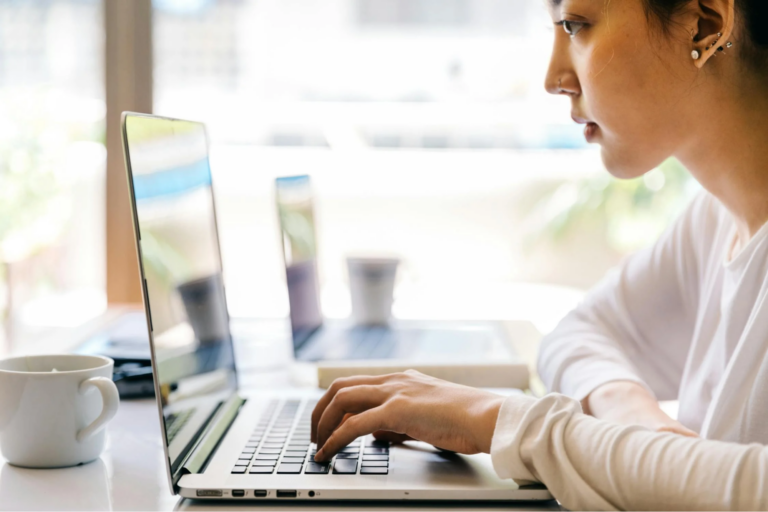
(371, 287)
(206, 308)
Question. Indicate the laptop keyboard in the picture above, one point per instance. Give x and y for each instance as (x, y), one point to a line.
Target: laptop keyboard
(279, 444)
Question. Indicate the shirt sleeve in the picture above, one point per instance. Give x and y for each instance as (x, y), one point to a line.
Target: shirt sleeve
(637, 324)
(591, 464)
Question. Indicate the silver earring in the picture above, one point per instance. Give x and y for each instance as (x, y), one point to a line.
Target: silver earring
(695, 54)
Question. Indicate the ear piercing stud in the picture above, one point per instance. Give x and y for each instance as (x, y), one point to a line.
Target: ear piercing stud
(695, 53)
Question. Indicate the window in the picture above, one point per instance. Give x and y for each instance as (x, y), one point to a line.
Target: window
(427, 133)
(51, 165)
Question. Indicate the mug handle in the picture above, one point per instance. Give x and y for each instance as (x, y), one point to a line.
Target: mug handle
(110, 399)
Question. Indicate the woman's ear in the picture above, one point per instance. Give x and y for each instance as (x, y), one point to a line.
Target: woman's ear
(713, 28)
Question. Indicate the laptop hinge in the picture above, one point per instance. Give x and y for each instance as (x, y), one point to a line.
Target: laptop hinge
(205, 448)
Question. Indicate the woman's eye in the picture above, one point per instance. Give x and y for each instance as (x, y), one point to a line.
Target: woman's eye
(572, 27)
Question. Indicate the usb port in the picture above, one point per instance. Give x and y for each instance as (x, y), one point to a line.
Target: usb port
(260, 493)
(238, 493)
(208, 492)
(286, 494)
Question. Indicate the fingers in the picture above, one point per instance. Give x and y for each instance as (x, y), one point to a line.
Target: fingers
(678, 429)
(351, 400)
(356, 426)
(338, 385)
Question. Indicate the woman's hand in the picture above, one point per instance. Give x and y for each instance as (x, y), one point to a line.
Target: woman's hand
(409, 405)
(630, 403)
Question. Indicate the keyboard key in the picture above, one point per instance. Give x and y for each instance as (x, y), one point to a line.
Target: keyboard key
(314, 468)
(376, 443)
(245, 456)
(249, 450)
(268, 456)
(375, 463)
(271, 450)
(289, 469)
(347, 455)
(261, 470)
(239, 470)
(352, 449)
(375, 457)
(376, 451)
(293, 460)
(373, 471)
(242, 463)
(297, 447)
(345, 467)
(273, 445)
(295, 453)
(251, 445)
(270, 463)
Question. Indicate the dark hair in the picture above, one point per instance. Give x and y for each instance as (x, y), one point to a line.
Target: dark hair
(753, 14)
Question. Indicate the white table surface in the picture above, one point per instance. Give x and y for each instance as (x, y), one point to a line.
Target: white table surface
(131, 474)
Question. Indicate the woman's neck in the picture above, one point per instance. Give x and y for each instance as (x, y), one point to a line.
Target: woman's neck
(728, 152)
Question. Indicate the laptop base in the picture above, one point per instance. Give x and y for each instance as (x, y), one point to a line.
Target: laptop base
(417, 471)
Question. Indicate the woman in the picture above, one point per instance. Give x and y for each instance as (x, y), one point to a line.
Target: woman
(686, 319)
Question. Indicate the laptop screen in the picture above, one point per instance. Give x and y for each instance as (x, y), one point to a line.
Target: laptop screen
(181, 264)
(296, 215)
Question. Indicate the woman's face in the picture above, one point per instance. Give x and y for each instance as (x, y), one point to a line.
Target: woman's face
(628, 82)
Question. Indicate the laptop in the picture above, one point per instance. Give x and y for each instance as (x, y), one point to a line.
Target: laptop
(318, 339)
(219, 442)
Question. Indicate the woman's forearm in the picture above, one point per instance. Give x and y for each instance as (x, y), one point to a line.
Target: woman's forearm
(593, 464)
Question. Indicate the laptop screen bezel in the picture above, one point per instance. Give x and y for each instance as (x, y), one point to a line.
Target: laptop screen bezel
(173, 469)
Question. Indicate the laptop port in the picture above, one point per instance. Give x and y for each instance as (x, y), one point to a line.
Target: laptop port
(286, 494)
(260, 493)
(238, 493)
(311, 494)
(208, 492)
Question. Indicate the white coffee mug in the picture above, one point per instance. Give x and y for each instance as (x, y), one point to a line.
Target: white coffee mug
(371, 288)
(53, 409)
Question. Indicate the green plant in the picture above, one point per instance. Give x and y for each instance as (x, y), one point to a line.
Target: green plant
(629, 213)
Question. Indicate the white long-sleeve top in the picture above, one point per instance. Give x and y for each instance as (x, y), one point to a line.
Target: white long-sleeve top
(682, 319)
(589, 464)
(687, 322)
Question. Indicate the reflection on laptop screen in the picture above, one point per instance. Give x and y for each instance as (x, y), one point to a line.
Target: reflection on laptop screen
(297, 228)
(171, 179)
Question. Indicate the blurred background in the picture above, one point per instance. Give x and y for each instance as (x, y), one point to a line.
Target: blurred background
(423, 123)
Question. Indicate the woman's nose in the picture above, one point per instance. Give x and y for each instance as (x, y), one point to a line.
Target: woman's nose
(561, 78)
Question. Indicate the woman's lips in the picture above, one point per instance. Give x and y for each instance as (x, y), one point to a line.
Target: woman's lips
(590, 131)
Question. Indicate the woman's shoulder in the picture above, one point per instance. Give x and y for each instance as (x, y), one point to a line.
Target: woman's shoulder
(706, 223)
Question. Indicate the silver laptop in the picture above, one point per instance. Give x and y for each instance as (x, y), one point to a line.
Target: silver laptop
(318, 339)
(220, 443)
